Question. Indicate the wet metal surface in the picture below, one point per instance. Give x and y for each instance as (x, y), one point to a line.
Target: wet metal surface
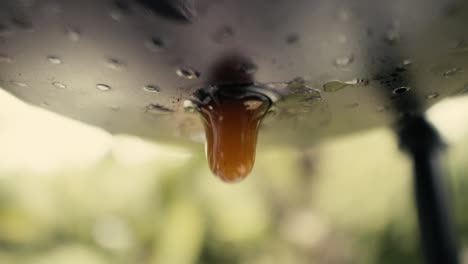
(128, 66)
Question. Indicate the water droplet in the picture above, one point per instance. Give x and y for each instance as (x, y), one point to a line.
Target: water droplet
(119, 10)
(451, 72)
(276, 85)
(223, 35)
(334, 86)
(59, 85)
(103, 87)
(44, 104)
(392, 36)
(54, 60)
(189, 106)
(407, 62)
(73, 34)
(6, 59)
(362, 82)
(304, 91)
(116, 14)
(157, 109)
(20, 84)
(292, 39)
(343, 61)
(155, 44)
(188, 73)
(114, 64)
(151, 88)
(298, 83)
(401, 90)
(432, 95)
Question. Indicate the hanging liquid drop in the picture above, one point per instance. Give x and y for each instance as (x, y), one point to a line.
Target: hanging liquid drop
(231, 115)
(232, 107)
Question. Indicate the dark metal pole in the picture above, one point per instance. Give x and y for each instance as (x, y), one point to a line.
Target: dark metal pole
(424, 145)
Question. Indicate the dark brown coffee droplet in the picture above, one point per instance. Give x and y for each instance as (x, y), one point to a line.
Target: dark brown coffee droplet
(231, 127)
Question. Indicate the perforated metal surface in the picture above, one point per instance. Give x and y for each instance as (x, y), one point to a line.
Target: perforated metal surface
(128, 68)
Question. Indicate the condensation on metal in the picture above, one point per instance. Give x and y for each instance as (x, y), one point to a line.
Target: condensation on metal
(173, 46)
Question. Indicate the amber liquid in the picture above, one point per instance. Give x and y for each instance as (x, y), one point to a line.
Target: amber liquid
(231, 127)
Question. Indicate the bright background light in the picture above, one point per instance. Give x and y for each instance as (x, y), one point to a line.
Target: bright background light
(39, 141)
(105, 198)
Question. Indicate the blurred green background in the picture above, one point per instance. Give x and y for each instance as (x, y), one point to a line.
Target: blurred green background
(70, 193)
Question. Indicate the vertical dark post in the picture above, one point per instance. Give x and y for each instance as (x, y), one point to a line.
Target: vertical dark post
(424, 145)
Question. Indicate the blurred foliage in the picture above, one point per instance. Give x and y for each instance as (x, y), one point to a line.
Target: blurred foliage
(346, 201)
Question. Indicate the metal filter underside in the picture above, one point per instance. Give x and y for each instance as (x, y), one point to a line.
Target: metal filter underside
(402, 54)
